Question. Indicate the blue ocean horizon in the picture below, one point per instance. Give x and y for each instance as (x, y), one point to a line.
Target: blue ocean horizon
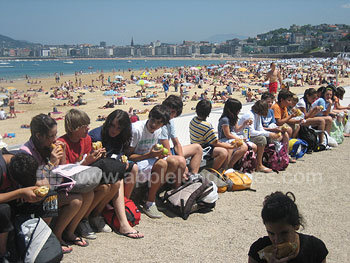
(18, 69)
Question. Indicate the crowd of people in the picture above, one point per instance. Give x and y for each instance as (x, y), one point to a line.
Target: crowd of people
(273, 119)
(79, 216)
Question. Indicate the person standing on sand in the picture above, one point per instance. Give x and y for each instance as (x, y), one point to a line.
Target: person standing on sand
(273, 76)
(12, 108)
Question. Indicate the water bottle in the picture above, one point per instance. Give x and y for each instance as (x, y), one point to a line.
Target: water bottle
(246, 133)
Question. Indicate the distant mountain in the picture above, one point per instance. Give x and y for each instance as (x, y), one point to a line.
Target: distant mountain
(7, 42)
(223, 37)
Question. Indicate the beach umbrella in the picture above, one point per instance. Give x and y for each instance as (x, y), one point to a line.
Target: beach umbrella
(142, 82)
(242, 69)
(143, 76)
(118, 77)
(110, 93)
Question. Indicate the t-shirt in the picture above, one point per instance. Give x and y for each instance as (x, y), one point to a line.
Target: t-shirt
(312, 249)
(7, 184)
(224, 121)
(280, 113)
(168, 131)
(270, 118)
(301, 104)
(30, 148)
(76, 151)
(201, 132)
(115, 148)
(320, 102)
(142, 140)
(256, 128)
(95, 134)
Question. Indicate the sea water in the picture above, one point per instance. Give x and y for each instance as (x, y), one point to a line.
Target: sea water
(18, 69)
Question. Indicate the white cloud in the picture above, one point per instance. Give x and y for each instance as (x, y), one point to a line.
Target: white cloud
(346, 5)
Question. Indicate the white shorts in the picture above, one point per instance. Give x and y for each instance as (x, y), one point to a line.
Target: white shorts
(145, 169)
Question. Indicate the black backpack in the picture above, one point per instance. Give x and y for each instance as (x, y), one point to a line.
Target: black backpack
(310, 136)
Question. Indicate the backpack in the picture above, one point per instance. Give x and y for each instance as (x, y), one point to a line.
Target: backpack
(191, 197)
(297, 148)
(132, 214)
(36, 242)
(310, 137)
(248, 162)
(276, 160)
(237, 181)
(212, 175)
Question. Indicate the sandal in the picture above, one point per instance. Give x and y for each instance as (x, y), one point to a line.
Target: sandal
(133, 235)
(65, 248)
(78, 241)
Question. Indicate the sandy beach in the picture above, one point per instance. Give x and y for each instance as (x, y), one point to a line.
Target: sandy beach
(319, 182)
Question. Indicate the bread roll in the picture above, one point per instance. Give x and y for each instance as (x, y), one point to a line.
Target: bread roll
(124, 158)
(283, 250)
(41, 191)
(97, 145)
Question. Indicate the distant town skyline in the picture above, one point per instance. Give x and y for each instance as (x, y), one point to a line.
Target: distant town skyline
(116, 22)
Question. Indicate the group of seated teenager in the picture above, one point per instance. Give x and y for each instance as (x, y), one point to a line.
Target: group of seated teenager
(267, 122)
(79, 216)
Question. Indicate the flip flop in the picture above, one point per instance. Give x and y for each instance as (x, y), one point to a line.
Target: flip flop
(129, 235)
(76, 242)
(65, 248)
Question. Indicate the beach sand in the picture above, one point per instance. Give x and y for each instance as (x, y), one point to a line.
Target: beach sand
(319, 181)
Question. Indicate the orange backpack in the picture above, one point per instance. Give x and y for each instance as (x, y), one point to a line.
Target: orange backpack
(237, 181)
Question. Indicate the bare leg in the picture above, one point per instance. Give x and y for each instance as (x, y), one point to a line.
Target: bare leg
(219, 155)
(99, 194)
(196, 152)
(87, 201)
(113, 189)
(130, 181)
(176, 169)
(119, 208)
(69, 207)
(237, 155)
(260, 166)
(157, 178)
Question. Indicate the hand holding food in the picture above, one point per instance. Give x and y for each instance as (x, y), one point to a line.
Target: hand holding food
(97, 145)
(158, 146)
(283, 250)
(285, 127)
(237, 143)
(124, 158)
(53, 146)
(321, 107)
(41, 191)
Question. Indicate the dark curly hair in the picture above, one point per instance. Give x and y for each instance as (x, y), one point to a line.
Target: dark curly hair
(121, 141)
(279, 207)
(23, 168)
(41, 124)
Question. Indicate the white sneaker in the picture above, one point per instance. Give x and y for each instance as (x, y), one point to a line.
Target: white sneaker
(99, 224)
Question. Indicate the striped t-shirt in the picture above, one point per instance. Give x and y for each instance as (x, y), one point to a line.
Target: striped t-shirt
(201, 132)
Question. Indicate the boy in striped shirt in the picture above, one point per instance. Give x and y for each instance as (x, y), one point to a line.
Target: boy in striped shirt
(202, 132)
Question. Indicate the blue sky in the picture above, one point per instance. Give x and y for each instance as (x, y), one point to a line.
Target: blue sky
(116, 21)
